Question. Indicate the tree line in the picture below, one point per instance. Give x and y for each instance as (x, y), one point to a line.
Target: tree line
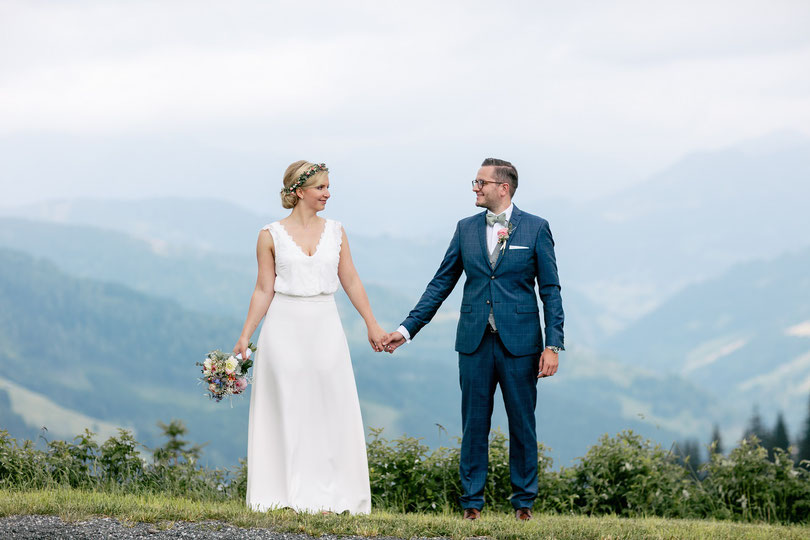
(776, 437)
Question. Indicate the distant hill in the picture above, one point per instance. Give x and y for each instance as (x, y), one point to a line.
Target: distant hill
(199, 280)
(14, 423)
(105, 351)
(693, 221)
(745, 336)
(34, 416)
(626, 251)
(197, 223)
(221, 283)
(108, 352)
(218, 232)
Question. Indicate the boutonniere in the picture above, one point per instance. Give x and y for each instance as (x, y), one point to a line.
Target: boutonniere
(503, 235)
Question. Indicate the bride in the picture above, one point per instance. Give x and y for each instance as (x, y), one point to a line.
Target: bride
(306, 446)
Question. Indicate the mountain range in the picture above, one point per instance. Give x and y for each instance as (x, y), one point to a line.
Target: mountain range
(686, 304)
(743, 336)
(117, 357)
(626, 252)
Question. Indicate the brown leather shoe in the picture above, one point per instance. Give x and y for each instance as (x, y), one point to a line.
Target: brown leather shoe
(472, 513)
(523, 514)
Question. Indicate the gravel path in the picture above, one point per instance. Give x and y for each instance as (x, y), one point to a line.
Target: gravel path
(52, 527)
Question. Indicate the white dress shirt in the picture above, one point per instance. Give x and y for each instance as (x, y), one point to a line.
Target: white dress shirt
(492, 232)
(492, 241)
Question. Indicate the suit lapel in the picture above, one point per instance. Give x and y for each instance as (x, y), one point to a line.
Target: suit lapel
(514, 220)
(482, 236)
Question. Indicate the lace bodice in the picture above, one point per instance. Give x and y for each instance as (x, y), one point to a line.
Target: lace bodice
(298, 274)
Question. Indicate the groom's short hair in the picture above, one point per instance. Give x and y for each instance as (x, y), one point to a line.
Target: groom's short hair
(505, 172)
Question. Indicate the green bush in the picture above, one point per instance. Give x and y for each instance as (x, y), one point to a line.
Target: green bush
(627, 475)
(119, 459)
(115, 465)
(21, 464)
(73, 464)
(747, 485)
(623, 475)
(407, 477)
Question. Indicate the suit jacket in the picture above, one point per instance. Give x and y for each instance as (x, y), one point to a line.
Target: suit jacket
(508, 287)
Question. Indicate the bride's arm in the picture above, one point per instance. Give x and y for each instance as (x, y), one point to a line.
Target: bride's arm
(351, 283)
(262, 293)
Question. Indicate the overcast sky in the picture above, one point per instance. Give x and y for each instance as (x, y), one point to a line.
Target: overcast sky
(401, 99)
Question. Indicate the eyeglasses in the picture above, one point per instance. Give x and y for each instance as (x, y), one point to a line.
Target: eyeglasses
(480, 183)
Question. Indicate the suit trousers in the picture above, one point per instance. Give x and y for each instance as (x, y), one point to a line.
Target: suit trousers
(479, 373)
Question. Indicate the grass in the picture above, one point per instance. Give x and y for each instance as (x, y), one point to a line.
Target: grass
(73, 505)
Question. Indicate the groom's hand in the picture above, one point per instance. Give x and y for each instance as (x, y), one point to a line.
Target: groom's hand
(548, 363)
(392, 342)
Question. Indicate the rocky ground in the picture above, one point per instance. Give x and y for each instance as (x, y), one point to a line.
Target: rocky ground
(53, 527)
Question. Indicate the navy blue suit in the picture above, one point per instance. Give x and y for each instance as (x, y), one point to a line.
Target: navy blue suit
(510, 357)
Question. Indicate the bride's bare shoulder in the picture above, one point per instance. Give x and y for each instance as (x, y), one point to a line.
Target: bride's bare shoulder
(265, 240)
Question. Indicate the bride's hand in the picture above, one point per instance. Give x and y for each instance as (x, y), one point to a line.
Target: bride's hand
(241, 347)
(375, 337)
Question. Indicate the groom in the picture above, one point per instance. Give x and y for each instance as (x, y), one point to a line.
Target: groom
(503, 252)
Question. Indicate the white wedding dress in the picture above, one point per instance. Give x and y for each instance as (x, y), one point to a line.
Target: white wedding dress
(306, 447)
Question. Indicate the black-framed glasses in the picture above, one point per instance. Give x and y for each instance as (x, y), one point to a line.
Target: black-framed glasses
(480, 183)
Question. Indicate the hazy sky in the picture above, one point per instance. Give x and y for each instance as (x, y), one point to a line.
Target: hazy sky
(401, 99)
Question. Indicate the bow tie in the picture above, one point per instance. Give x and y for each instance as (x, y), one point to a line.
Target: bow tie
(492, 219)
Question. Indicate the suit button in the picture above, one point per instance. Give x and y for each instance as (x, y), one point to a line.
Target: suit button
(491, 277)
(487, 301)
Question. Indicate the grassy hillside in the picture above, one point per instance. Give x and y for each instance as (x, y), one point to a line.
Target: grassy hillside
(122, 357)
(202, 281)
(693, 221)
(395, 272)
(745, 336)
(108, 352)
(35, 416)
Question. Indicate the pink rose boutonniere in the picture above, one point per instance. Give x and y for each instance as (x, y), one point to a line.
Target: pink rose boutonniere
(503, 235)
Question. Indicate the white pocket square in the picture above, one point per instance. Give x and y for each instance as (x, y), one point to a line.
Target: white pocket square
(518, 247)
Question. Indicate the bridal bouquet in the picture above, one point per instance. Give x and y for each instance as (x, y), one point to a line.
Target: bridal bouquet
(225, 374)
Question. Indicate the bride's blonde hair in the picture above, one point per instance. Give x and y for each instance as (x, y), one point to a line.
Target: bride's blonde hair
(292, 176)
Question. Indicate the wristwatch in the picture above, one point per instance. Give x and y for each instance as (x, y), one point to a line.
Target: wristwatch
(555, 350)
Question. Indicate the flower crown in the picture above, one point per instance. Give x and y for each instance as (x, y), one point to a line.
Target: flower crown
(312, 171)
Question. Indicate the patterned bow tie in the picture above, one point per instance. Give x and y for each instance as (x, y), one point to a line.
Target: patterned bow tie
(492, 219)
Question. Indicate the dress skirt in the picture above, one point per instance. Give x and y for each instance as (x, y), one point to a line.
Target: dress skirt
(306, 445)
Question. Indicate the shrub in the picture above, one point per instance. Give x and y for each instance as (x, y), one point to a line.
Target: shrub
(119, 460)
(73, 464)
(628, 475)
(747, 485)
(21, 464)
(404, 477)
(623, 475)
(407, 477)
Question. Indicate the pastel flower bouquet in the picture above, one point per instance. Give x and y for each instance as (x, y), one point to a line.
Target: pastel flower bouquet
(225, 374)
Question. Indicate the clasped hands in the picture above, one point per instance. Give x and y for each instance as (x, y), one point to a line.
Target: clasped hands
(381, 341)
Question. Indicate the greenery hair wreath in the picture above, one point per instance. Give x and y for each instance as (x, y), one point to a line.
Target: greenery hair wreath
(309, 173)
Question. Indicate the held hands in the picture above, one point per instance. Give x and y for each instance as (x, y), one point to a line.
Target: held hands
(392, 342)
(549, 360)
(376, 337)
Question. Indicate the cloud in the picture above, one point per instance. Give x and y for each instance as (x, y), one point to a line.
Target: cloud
(638, 83)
